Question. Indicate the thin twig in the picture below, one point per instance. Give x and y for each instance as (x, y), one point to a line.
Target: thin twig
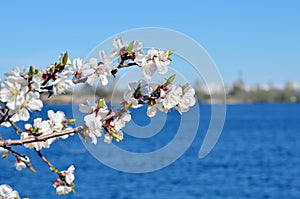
(15, 153)
(44, 159)
(77, 81)
(108, 117)
(17, 129)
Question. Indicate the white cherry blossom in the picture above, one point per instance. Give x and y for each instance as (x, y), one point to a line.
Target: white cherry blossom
(144, 89)
(120, 121)
(6, 192)
(77, 64)
(104, 59)
(93, 120)
(152, 61)
(32, 102)
(20, 166)
(107, 138)
(42, 128)
(13, 93)
(96, 71)
(36, 83)
(20, 115)
(94, 125)
(56, 120)
(62, 84)
(79, 67)
(20, 163)
(172, 97)
(70, 177)
(186, 100)
(121, 49)
(137, 46)
(3, 150)
(148, 69)
(119, 135)
(152, 109)
(63, 190)
(118, 43)
(16, 72)
(65, 185)
(89, 107)
(6, 124)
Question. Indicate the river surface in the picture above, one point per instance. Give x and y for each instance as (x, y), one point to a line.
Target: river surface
(257, 156)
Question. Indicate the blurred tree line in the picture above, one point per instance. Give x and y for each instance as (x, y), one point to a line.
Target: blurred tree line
(239, 93)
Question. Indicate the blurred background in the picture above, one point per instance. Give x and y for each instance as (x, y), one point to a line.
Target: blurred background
(255, 45)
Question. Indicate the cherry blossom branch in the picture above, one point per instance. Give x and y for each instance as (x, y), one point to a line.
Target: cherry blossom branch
(122, 65)
(41, 138)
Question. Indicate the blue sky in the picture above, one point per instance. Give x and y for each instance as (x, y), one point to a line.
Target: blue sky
(259, 38)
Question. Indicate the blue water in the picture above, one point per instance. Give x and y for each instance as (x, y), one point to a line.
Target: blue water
(257, 156)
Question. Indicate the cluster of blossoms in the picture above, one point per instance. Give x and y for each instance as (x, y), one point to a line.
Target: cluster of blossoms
(64, 183)
(56, 123)
(162, 97)
(20, 94)
(100, 117)
(19, 97)
(6, 192)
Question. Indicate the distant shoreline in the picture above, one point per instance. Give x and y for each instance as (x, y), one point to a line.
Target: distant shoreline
(68, 99)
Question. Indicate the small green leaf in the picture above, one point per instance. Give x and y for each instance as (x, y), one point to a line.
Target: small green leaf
(101, 103)
(31, 71)
(71, 121)
(170, 52)
(86, 135)
(128, 106)
(32, 169)
(171, 79)
(54, 170)
(36, 131)
(130, 47)
(185, 86)
(115, 136)
(5, 155)
(65, 59)
(138, 89)
(52, 69)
